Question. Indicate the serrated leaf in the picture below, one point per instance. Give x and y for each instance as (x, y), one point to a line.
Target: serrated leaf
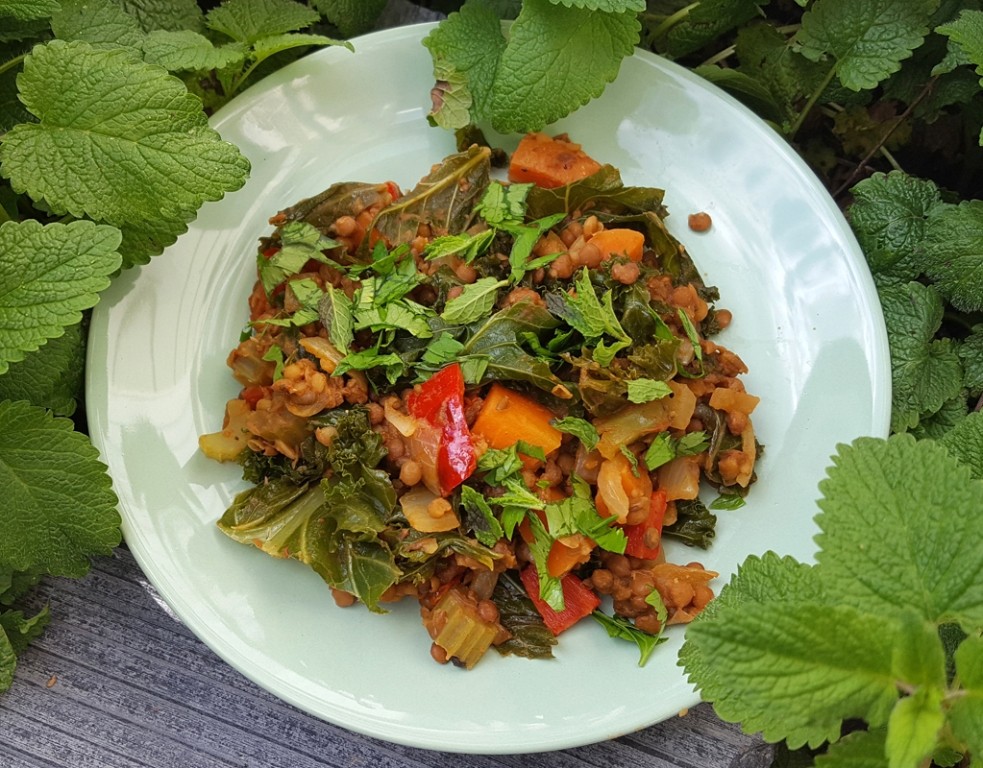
(50, 377)
(60, 509)
(145, 239)
(707, 21)
(925, 372)
(557, 59)
(170, 15)
(187, 50)
(466, 48)
(132, 145)
(103, 23)
(913, 730)
(966, 32)
(8, 662)
(767, 56)
(352, 17)
(860, 749)
(868, 39)
(20, 629)
(779, 671)
(934, 426)
(965, 442)
(28, 10)
(966, 713)
(250, 20)
(268, 46)
(952, 253)
(48, 275)
(897, 525)
(971, 355)
(608, 6)
(889, 216)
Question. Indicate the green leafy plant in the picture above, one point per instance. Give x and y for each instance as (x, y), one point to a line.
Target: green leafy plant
(106, 156)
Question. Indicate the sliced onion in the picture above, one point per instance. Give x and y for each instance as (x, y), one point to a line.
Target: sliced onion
(404, 423)
(611, 490)
(680, 478)
(423, 446)
(416, 508)
(325, 352)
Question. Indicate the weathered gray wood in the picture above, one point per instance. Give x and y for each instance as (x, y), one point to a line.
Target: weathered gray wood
(116, 682)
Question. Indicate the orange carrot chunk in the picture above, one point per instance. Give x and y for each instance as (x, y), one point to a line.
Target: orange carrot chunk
(619, 242)
(550, 162)
(507, 416)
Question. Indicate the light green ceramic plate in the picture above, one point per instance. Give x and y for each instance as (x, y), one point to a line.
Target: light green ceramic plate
(807, 322)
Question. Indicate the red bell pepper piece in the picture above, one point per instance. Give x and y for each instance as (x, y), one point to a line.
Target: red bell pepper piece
(440, 402)
(578, 600)
(639, 536)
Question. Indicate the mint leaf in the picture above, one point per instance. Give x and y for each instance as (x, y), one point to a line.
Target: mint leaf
(48, 275)
(964, 442)
(889, 216)
(187, 50)
(299, 243)
(51, 376)
(867, 40)
(646, 390)
(952, 254)
(475, 302)
(251, 20)
(582, 429)
(134, 145)
(352, 17)
(557, 59)
(103, 23)
(480, 517)
(966, 713)
(623, 629)
(661, 451)
(60, 511)
(335, 313)
(466, 48)
(897, 515)
(925, 371)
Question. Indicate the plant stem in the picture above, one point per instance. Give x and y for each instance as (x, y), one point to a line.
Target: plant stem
(16, 61)
(720, 56)
(670, 21)
(801, 118)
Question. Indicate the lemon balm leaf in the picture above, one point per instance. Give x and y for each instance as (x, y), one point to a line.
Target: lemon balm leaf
(28, 10)
(117, 139)
(965, 441)
(466, 49)
(48, 275)
(952, 254)
(51, 376)
(173, 15)
(925, 372)
(103, 23)
(966, 714)
(60, 508)
(867, 41)
(188, 50)
(250, 20)
(898, 530)
(352, 17)
(556, 60)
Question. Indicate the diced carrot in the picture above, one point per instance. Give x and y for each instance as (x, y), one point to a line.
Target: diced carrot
(578, 600)
(619, 242)
(567, 554)
(550, 162)
(507, 416)
(725, 399)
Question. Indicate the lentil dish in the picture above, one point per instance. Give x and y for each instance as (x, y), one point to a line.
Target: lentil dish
(493, 398)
